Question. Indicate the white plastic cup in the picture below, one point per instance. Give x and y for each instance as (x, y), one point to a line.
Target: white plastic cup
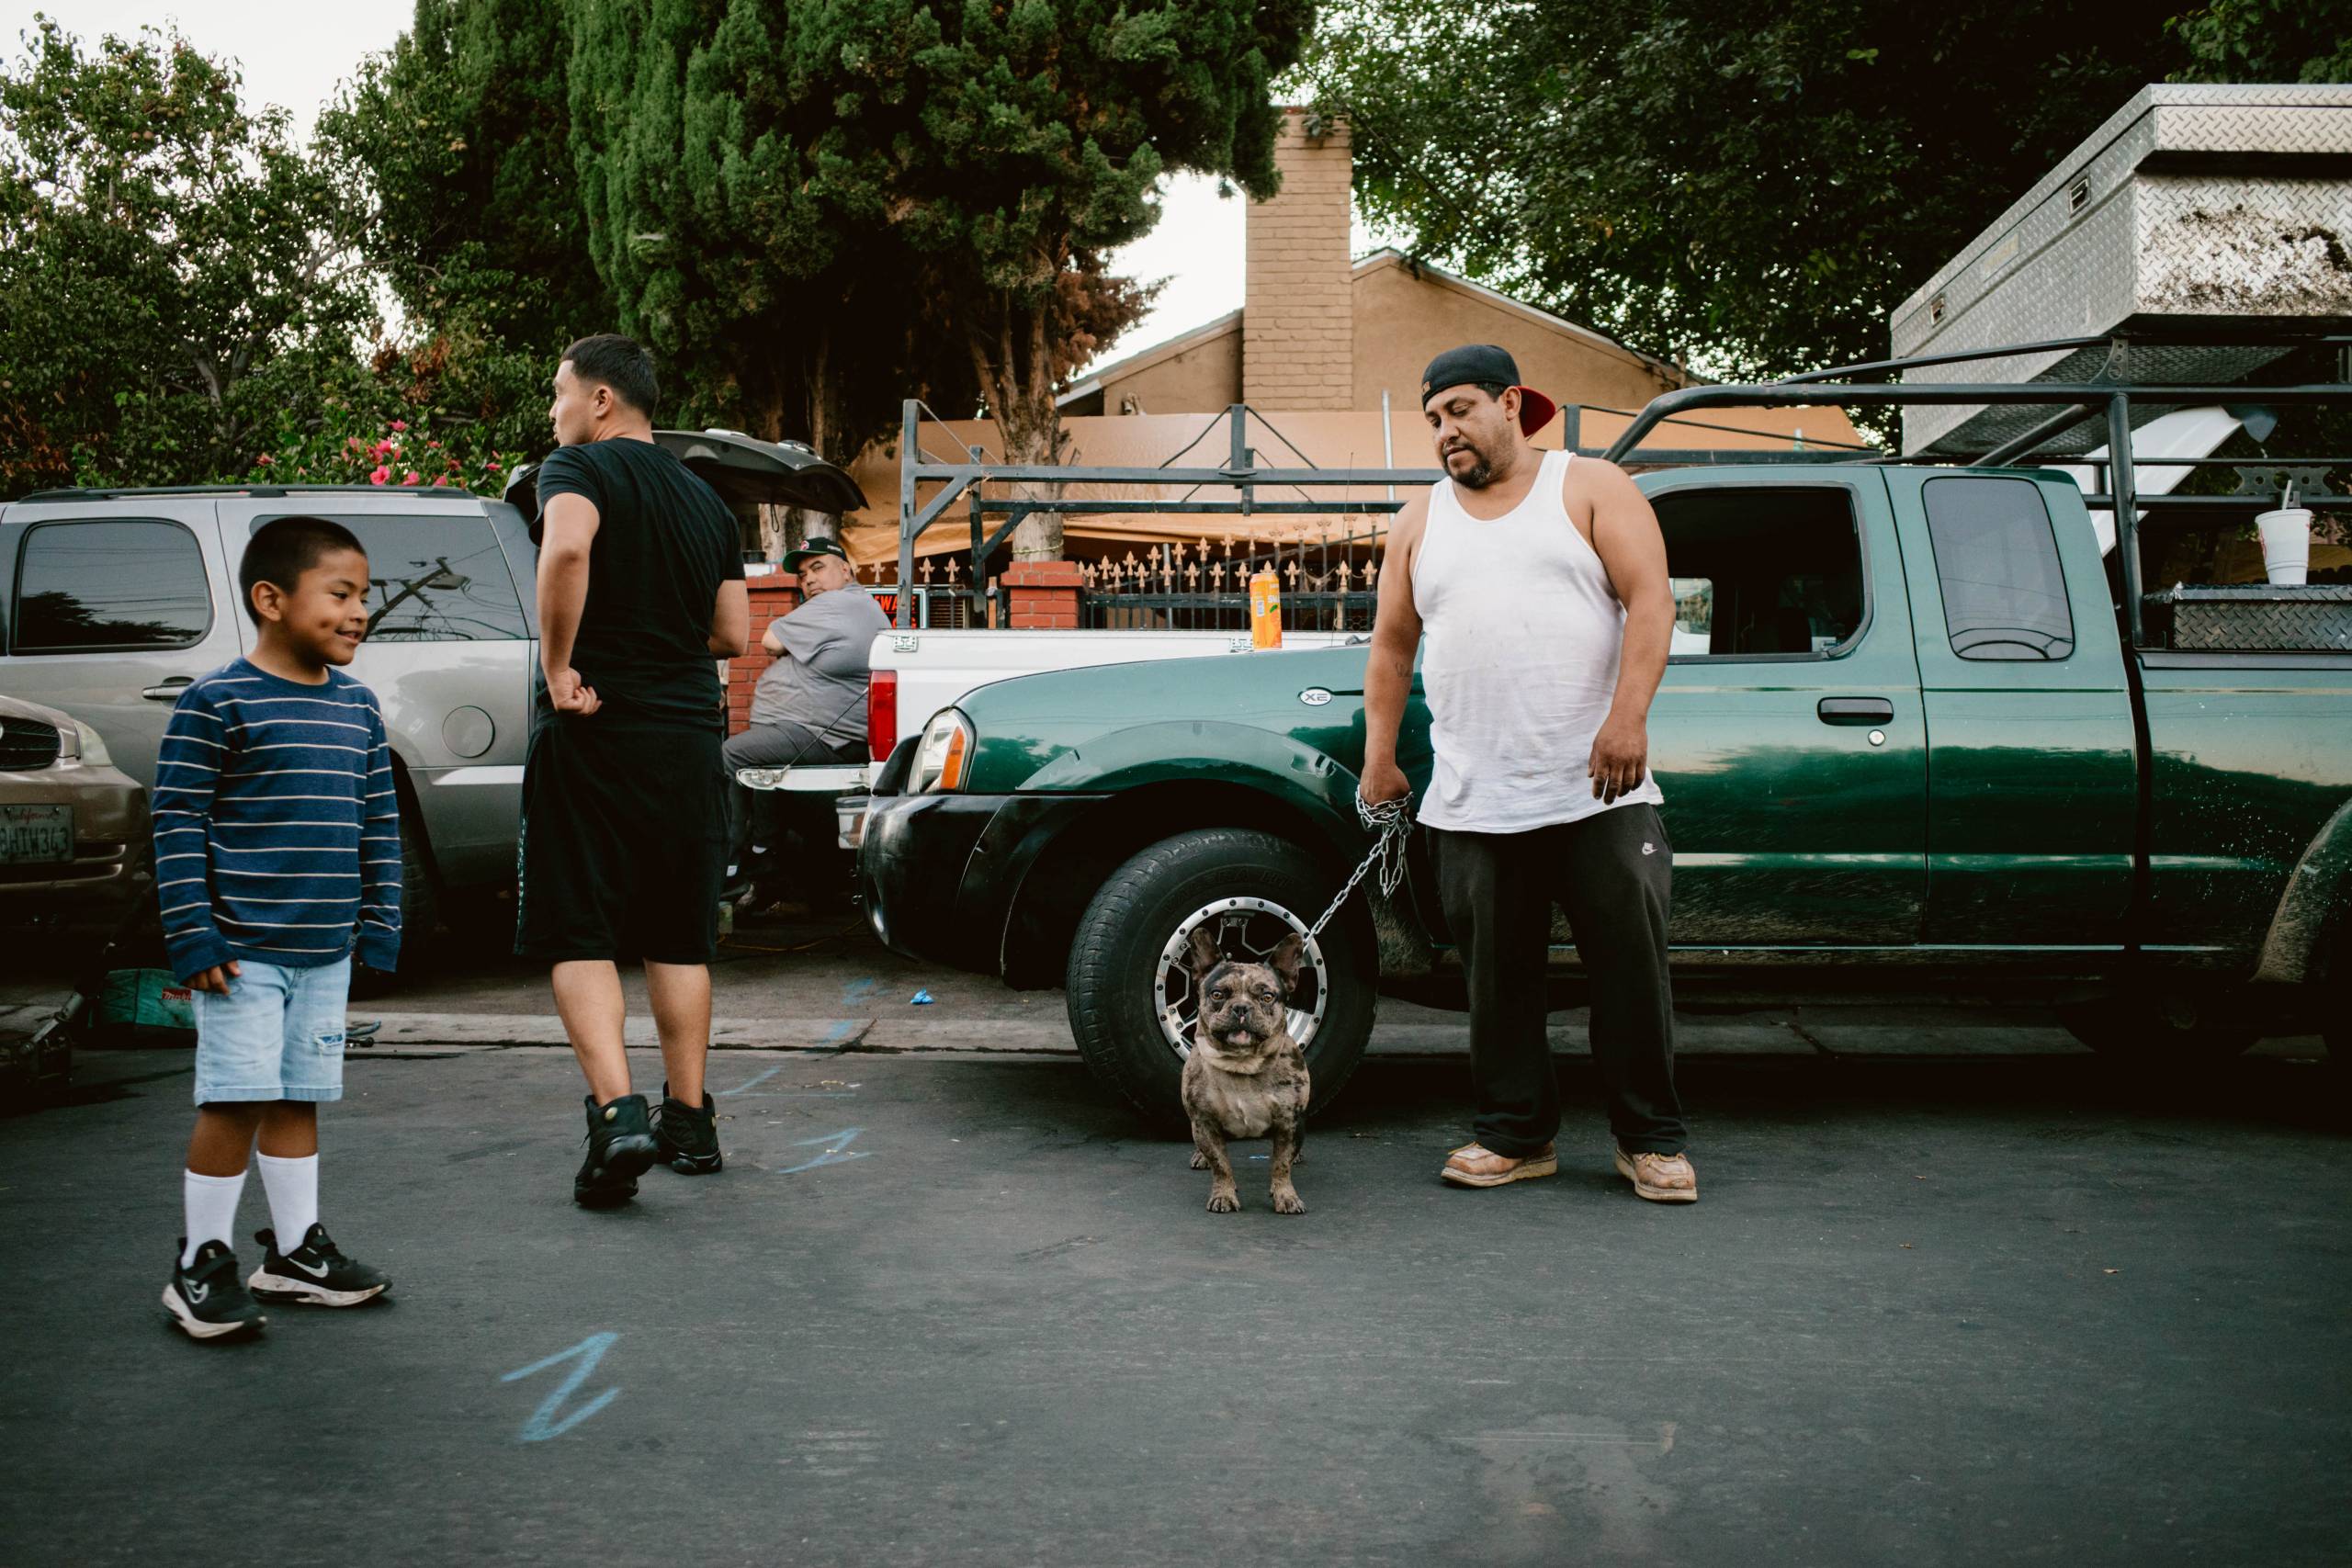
(2286, 543)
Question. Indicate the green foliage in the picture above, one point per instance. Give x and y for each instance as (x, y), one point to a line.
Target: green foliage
(159, 250)
(818, 206)
(1746, 188)
(458, 138)
(449, 410)
(2267, 40)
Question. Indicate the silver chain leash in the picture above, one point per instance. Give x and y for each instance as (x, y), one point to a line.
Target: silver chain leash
(1391, 821)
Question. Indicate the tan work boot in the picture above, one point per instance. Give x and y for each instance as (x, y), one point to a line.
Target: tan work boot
(1661, 1179)
(1474, 1165)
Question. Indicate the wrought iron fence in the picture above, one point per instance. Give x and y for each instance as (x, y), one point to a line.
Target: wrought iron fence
(1330, 579)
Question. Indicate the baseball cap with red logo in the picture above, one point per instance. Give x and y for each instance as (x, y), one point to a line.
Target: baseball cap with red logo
(1484, 365)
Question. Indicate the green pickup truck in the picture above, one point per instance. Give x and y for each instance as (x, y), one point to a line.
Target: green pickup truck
(1901, 738)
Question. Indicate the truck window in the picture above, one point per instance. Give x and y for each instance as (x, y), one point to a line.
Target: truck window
(1996, 562)
(1769, 572)
(110, 585)
(435, 578)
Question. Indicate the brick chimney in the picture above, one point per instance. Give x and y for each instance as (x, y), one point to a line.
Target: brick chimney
(1298, 316)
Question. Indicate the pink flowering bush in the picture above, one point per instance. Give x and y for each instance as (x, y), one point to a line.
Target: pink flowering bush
(436, 416)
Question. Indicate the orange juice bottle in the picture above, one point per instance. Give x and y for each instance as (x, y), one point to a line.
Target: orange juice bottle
(1265, 609)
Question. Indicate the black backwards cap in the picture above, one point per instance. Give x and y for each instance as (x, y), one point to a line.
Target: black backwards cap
(1482, 364)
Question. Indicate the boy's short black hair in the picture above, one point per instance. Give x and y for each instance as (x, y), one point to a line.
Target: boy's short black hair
(621, 363)
(283, 549)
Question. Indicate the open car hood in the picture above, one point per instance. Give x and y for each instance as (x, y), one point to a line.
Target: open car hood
(743, 469)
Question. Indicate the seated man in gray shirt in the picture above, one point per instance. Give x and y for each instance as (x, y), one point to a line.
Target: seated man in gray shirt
(809, 707)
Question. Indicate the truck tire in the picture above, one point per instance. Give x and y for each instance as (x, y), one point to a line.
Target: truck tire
(2163, 1030)
(1127, 995)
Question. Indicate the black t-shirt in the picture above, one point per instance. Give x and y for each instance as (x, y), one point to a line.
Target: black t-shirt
(665, 542)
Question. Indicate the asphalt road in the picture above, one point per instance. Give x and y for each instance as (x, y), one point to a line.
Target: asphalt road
(954, 1309)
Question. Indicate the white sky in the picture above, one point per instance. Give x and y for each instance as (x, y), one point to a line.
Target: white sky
(296, 54)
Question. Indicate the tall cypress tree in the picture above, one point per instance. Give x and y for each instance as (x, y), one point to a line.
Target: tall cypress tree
(818, 205)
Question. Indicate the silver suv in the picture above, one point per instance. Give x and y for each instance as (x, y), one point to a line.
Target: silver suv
(115, 600)
(111, 600)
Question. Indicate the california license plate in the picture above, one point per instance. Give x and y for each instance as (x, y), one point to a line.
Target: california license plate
(34, 835)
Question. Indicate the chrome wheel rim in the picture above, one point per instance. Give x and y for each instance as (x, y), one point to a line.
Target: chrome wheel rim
(1246, 929)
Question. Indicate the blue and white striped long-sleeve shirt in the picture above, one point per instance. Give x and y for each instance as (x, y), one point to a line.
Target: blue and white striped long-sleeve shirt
(277, 833)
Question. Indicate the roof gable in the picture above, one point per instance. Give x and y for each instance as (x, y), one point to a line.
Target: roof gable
(1208, 332)
(1428, 272)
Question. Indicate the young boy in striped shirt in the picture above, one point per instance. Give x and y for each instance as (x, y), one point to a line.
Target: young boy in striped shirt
(278, 853)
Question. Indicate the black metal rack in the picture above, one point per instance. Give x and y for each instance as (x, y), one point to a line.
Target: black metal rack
(1242, 480)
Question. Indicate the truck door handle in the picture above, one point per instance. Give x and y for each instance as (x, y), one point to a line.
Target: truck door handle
(1856, 710)
(169, 692)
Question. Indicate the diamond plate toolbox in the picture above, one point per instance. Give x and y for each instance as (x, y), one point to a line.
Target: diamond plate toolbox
(2192, 207)
(2253, 619)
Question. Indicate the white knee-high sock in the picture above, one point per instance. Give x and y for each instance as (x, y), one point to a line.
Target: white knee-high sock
(210, 1205)
(293, 1189)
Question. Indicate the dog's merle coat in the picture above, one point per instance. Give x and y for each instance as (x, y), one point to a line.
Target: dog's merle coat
(1246, 1078)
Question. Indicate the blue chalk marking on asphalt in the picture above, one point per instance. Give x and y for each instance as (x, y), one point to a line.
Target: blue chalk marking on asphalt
(761, 1078)
(841, 1030)
(856, 991)
(542, 1424)
(834, 1156)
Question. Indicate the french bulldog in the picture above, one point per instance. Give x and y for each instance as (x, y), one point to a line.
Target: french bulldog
(1246, 1078)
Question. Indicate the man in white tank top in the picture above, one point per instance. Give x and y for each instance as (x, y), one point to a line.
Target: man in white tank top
(1540, 580)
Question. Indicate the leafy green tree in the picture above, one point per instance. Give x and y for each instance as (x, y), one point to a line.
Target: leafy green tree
(816, 207)
(2267, 40)
(160, 248)
(1748, 189)
(459, 139)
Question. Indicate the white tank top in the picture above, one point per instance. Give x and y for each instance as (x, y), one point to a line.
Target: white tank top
(1521, 666)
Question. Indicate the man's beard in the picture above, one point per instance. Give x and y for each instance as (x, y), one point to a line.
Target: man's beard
(1481, 472)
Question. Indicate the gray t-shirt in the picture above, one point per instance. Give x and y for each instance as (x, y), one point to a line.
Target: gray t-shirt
(820, 681)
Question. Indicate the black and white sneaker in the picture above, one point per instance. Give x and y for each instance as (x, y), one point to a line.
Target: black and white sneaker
(206, 1298)
(688, 1138)
(316, 1272)
(621, 1146)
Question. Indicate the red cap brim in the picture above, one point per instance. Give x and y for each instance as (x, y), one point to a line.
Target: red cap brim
(1535, 411)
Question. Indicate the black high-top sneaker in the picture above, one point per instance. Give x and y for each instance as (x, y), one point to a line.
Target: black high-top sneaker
(620, 1145)
(316, 1272)
(206, 1298)
(689, 1138)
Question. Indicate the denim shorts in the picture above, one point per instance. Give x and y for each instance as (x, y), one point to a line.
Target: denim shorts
(277, 1035)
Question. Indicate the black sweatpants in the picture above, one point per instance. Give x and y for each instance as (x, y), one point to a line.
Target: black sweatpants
(1612, 872)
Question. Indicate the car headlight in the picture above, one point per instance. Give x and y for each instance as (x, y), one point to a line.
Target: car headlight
(945, 752)
(84, 744)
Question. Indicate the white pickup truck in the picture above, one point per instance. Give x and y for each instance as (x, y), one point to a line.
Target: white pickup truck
(917, 672)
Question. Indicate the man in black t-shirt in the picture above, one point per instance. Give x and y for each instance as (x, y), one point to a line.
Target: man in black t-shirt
(624, 805)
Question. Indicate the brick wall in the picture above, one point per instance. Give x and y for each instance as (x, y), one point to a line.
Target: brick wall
(1297, 325)
(1042, 595)
(771, 596)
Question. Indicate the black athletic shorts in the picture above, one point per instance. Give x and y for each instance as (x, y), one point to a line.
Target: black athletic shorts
(624, 845)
